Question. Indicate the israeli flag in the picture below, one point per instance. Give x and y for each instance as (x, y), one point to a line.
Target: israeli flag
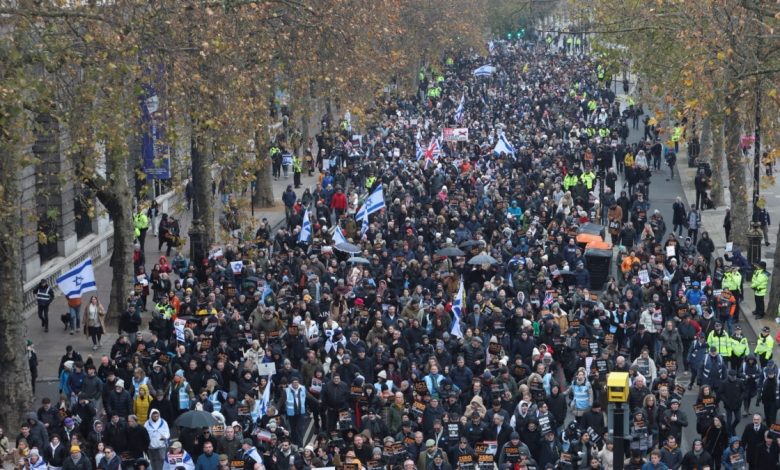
(457, 310)
(266, 399)
(484, 71)
(178, 327)
(459, 111)
(305, 234)
(376, 201)
(503, 146)
(81, 278)
(338, 236)
(420, 151)
(362, 216)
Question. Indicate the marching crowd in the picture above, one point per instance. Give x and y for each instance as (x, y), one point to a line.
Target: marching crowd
(393, 349)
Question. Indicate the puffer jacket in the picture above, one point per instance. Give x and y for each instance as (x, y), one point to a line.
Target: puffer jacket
(141, 405)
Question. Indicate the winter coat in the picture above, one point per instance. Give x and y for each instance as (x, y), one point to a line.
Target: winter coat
(694, 220)
(39, 437)
(141, 406)
(120, 403)
(691, 461)
(679, 216)
(84, 463)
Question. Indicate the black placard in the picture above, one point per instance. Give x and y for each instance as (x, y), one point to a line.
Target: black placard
(453, 431)
(512, 453)
(418, 408)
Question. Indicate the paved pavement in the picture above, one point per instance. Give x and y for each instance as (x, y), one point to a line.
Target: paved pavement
(663, 192)
(51, 346)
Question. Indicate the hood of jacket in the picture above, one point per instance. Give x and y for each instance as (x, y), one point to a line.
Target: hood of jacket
(151, 412)
(32, 416)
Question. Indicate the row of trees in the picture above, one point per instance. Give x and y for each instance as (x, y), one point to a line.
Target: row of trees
(216, 66)
(712, 62)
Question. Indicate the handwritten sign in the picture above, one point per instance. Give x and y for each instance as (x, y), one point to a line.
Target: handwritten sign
(644, 277)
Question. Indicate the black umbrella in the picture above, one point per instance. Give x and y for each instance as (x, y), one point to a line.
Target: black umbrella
(450, 251)
(196, 419)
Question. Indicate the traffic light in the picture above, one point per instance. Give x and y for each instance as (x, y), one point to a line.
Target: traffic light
(521, 33)
(509, 36)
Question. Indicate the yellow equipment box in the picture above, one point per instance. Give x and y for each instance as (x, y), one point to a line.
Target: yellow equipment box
(617, 387)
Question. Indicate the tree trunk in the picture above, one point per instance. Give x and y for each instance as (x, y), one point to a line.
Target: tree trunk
(15, 389)
(203, 201)
(117, 198)
(716, 161)
(740, 218)
(706, 137)
(305, 134)
(264, 191)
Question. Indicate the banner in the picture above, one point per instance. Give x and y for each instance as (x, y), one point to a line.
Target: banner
(156, 154)
(456, 134)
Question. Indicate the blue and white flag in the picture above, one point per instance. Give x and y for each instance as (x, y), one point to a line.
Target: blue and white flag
(459, 111)
(484, 71)
(305, 234)
(376, 201)
(265, 400)
(338, 236)
(503, 146)
(81, 278)
(362, 216)
(457, 310)
(178, 327)
(420, 151)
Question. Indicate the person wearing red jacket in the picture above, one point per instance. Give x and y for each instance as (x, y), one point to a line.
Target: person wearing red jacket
(339, 202)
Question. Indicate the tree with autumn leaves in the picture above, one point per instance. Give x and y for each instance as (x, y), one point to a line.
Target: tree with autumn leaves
(709, 61)
(216, 66)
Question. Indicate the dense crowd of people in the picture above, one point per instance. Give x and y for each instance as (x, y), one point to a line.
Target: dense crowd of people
(396, 354)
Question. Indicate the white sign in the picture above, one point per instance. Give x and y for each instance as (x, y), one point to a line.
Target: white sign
(644, 277)
(456, 134)
(729, 247)
(266, 368)
(236, 266)
(670, 251)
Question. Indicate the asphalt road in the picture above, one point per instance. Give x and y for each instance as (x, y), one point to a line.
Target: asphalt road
(663, 192)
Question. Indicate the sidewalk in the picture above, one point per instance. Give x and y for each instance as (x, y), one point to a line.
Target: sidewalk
(712, 222)
(51, 346)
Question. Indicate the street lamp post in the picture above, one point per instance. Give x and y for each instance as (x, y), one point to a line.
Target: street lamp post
(754, 234)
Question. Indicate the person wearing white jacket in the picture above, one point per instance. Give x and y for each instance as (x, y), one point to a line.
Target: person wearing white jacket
(158, 439)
